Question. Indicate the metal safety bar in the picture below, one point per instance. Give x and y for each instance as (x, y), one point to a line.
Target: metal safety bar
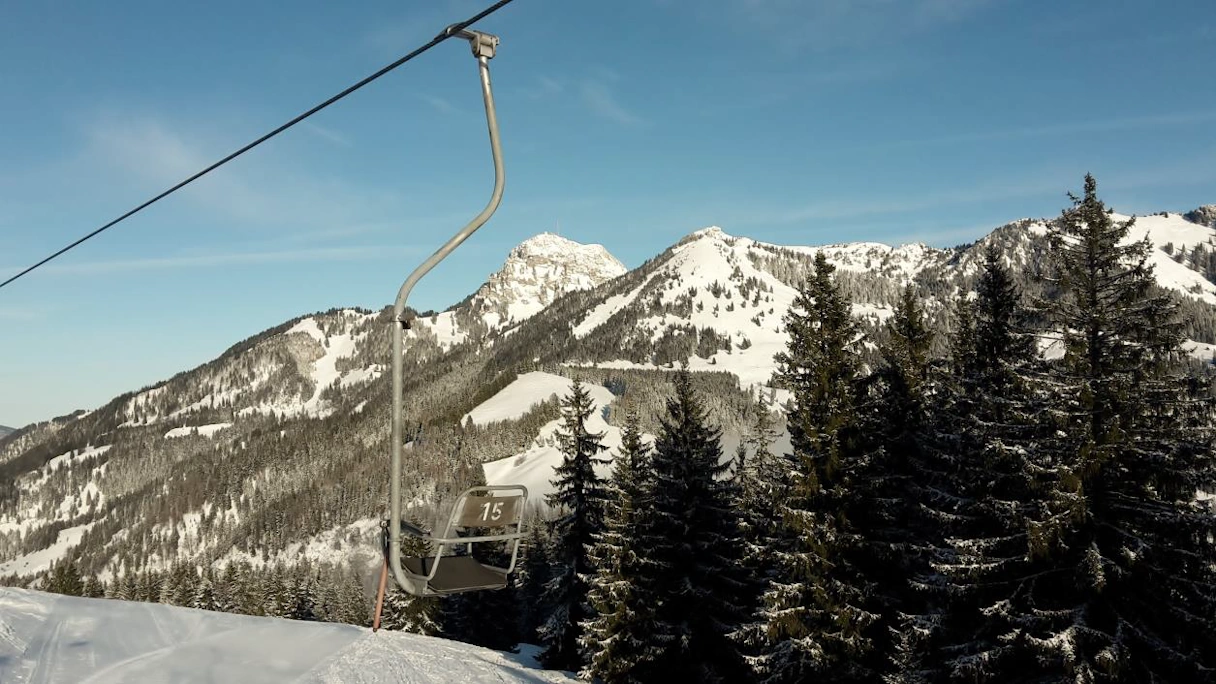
(484, 47)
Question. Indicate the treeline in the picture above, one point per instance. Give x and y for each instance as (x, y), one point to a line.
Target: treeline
(319, 592)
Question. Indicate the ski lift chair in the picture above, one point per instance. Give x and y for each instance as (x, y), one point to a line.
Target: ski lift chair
(493, 507)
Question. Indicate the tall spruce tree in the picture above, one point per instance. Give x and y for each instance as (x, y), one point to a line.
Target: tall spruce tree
(692, 549)
(536, 570)
(581, 497)
(404, 612)
(993, 413)
(616, 640)
(1131, 596)
(814, 616)
(762, 484)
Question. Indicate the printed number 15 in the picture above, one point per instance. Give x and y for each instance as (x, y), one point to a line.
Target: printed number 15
(491, 511)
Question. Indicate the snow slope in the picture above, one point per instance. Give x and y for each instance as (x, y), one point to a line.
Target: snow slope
(528, 390)
(41, 561)
(1174, 230)
(533, 468)
(48, 638)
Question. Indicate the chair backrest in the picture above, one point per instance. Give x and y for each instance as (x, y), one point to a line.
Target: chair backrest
(489, 511)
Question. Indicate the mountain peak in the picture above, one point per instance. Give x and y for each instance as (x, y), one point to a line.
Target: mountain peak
(1204, 216)
(714, 232)
(547, 243)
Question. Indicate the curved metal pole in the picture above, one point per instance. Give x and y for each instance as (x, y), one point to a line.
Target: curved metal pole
(483, 48)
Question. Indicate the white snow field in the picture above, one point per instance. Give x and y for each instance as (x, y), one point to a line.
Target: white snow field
(52, 639)
(534, 467)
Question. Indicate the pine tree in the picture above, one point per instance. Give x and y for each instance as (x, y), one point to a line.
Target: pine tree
(536, 571)
(402, 611)
(762, 484)
(204, 594)
(302, 594)
(64, 578)
(581, 497)
(486, 618)
(355, 609)
(128, 587)
(903, 506)
(993, 412)
(93, 588)
(226, 589)
(692, 547)
(815, 620)
(1131, 594)
(616, 639)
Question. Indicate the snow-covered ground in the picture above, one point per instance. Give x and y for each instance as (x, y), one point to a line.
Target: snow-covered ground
(533, 468)
(46, 638)
(200, 430)
(41, 561)
(528, 390)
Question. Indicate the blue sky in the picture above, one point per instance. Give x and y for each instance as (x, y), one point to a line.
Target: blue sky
(632, 123)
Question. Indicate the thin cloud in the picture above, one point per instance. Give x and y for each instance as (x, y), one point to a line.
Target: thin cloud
(326, 133)
(600, 100)
(440, 104)
(11, 314)
(322, 254)
(155, 154)
(543, 87)
(865, 207)
(1071, 128)
(824, 25)
(1052, 182)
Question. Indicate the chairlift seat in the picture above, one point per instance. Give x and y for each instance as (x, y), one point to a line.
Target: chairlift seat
(455, 574)
(494, 507)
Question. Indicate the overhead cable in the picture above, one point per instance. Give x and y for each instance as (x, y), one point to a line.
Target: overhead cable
(449, 32)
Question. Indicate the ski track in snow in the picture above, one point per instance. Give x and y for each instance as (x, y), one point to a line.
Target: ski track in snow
(46, 638)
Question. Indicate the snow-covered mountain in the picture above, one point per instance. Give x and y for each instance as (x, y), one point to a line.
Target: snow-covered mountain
(536, 272)
(1204, 216)
(275, 451)
(50, 638)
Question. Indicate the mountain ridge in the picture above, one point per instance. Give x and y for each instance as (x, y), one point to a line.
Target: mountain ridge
(290, 426)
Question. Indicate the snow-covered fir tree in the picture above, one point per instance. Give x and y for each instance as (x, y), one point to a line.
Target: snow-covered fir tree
(692, 548)
(762, 484)
(1130, 596)
(204, 595)
(536, 570)
(814, 616)
(93, 588)
(992, 412)
(617, 639)
(402, 611)
(581, 498)
(901, 506)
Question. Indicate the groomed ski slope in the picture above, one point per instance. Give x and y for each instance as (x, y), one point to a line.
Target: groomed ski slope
(47, 638)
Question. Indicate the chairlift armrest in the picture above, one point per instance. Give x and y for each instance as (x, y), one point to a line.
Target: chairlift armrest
(411, 529)
(451, 541)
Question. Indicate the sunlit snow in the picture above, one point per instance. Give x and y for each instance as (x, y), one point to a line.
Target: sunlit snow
(46, 638)
(533, 467)
(199, 430)
(40, 561)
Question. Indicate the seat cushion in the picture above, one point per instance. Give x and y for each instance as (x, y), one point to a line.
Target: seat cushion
(457, 574)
